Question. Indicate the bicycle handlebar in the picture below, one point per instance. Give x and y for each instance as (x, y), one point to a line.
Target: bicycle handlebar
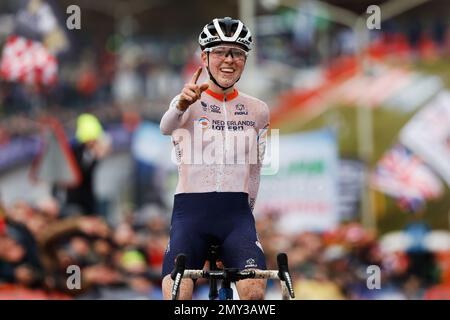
(281, 274)
(284, 274)
(222, 274)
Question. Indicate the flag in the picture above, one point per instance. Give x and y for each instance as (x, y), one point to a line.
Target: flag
(411, 204)
(403, 175)
(27, 61)
(428, 134)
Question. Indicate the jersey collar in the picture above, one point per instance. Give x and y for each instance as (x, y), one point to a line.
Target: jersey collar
(221, 96)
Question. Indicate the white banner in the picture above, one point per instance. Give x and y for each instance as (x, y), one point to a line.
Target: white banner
(351, 180)
(304, 191)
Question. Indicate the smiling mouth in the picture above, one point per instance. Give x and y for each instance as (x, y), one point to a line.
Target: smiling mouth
(227, 70)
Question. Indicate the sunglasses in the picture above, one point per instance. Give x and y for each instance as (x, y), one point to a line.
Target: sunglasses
(222, 52)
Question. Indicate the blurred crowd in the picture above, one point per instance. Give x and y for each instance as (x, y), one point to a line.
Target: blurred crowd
(37, 246)
(141, 76)
(337, 264)
(123, 261)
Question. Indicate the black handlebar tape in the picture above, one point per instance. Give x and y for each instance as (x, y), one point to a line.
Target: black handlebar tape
(177, 274)
(180, 266)
(283, 273)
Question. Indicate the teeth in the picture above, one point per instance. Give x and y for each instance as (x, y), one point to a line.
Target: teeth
(226, 70)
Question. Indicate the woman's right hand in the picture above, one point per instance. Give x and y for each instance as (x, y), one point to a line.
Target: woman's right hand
(191, 92)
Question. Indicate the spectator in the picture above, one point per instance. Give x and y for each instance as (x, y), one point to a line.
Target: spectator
(91, 146)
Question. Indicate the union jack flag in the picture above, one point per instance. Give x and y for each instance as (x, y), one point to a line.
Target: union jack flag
(402, 174)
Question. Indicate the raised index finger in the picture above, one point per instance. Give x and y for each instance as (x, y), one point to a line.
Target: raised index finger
(196, 75)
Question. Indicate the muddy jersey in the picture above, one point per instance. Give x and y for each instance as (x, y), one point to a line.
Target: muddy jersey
(219, 142)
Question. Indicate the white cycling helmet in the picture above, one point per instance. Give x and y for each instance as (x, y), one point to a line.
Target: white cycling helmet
(225, 30)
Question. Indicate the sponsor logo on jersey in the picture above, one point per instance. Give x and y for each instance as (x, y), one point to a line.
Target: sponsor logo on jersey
(232, 125)
(204, 106)
(203, 122)
(178, 151)
(215, 109)
(240, 110)
(250, 263)
(218, 125)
